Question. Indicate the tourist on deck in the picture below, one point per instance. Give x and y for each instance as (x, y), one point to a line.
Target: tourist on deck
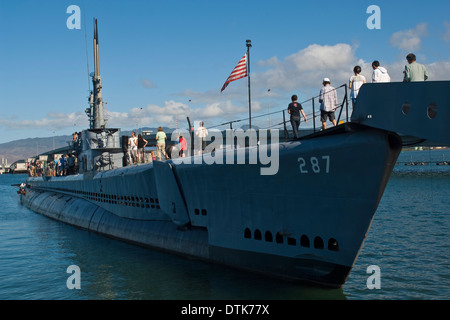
(161, 143)
(62, 165)
(133, 145)
(379, 74)
(38, 169)
(201, 134)
(414, 71)
(55, 165)
(183, 146)
(51, 165)
(294, 109)
(356, 81)
(58, 167)
(30, 168)
(328, 103)
(141, 145)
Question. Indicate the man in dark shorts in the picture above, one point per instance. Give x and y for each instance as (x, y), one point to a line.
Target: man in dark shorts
(294, 110)
(328, 103)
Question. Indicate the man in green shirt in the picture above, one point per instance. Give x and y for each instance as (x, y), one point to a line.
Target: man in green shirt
(161, 143)
(414, 71)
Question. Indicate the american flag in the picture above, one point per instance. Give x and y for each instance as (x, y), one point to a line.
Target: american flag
(239, 72)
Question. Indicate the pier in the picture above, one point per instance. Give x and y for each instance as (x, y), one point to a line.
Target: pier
(4, 167)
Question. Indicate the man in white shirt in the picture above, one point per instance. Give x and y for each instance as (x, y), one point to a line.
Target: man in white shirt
(328, 103)
(379, 74)
(201, 134)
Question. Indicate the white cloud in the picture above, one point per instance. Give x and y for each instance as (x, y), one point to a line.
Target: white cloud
(174, 114)
(52, 121)
(307, 68)
(438, 70)
(218, 109)
(409, 40)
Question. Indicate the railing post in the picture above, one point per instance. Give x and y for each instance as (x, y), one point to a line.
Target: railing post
(342, 105)
(346, 103)
(340, 112)
(314, 116)
(284, 125)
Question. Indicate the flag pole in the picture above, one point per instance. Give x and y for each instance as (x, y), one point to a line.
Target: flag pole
(249, 44)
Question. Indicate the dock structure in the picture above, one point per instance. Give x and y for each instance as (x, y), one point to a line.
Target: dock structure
(4, 167)
(20, 166)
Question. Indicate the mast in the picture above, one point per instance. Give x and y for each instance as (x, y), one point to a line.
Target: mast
(249, 44)
(96, 101)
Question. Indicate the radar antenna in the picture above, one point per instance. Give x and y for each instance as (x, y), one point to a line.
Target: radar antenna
(96, 98)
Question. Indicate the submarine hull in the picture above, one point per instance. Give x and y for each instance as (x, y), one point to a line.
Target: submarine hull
(305, 223)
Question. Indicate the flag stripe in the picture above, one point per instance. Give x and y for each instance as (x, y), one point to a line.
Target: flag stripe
(239, 72)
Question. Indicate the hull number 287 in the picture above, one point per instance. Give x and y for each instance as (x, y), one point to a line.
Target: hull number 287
(314, 164)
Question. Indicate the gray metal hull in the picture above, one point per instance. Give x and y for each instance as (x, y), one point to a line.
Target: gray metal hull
(307, 222)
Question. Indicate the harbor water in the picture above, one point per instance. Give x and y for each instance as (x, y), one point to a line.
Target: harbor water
(407, 243)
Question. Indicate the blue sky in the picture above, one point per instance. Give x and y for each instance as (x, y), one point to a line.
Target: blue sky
(161, 61)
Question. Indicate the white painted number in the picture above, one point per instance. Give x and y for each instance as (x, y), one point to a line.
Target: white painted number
(315, 164)
(302, 165)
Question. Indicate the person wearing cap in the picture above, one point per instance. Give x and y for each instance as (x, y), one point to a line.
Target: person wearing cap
(328, 103)
(414, 71)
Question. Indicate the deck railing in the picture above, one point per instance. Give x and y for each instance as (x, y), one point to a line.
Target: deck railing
(280, 119)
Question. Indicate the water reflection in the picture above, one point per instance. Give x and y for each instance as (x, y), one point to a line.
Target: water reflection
(112, 269)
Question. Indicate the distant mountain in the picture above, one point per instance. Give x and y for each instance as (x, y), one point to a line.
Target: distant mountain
(26, 148)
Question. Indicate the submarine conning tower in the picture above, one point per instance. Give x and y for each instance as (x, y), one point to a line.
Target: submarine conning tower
(101, 146)
(418, 111)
